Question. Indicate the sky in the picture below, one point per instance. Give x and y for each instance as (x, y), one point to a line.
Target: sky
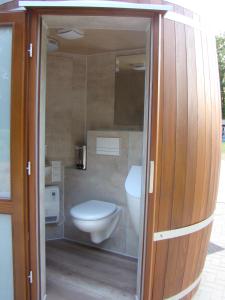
(213, 10)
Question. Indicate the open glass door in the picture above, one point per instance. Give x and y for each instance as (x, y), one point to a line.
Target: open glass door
(13, 231)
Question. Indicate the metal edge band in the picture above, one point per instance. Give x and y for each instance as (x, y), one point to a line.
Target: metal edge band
(4, 2)
(186, 291)
(173, 16)
(185, 4)
(176, 17)
(174, 233)
(96, 4)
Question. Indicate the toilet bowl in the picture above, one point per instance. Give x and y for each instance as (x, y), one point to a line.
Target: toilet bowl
(96, 217)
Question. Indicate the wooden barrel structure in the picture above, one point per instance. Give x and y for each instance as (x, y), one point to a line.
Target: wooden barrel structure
(185, 137)
(187, 156)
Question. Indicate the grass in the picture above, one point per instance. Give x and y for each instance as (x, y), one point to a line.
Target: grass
(223, 148)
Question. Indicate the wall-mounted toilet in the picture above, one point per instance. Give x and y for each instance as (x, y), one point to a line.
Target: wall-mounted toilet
(96, 217)
(133, 191)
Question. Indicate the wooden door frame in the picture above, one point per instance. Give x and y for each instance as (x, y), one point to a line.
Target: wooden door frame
(33, 93)
(17, 204)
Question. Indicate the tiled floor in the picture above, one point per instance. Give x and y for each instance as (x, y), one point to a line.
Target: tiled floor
(212, 285)
(76, 272)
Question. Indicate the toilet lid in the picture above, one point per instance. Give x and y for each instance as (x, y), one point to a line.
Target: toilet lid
(92, 210)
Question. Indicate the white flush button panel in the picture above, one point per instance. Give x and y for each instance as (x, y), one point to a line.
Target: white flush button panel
(108, 146)
(56, 171)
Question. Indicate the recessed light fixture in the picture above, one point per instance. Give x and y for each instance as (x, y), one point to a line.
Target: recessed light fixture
(70, 34)
(138, 67)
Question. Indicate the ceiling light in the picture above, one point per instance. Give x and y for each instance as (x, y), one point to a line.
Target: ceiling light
(70, 34)
(138, 67)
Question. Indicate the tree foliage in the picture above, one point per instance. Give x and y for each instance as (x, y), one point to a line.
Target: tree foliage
(220, 44)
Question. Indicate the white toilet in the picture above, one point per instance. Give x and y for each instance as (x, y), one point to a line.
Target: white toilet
(96, 217)
(133, 191)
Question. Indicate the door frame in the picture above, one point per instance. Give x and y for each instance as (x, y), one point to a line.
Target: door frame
(33, 93)
(17, 204)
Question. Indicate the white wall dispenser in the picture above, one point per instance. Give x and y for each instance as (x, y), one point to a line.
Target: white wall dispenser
(52, 204)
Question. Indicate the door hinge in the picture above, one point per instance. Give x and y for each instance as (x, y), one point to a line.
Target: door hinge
(28, 168)
(30, 277)
(30, 50)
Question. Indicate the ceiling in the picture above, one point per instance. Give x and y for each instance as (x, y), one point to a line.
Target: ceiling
(101, 34)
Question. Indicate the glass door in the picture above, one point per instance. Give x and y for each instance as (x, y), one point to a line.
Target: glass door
(13, 216)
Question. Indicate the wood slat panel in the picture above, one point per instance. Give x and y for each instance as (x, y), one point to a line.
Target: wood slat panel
(168, 127)
(178, 249)
(201, 130)
(190, 154)
(181, 128)
(208, 208)
(192, 135)
(208, 124)
(179, 278)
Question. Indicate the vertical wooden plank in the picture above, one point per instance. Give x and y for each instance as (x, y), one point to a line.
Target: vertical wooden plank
(216, 130)
(160, 269)
(181, 128)
(201, 130)
(211, 199)
(218, 121)
(177, 256)
(208, 124)
(192, 134)
(190, 269)
(169, 127)
(163, 209)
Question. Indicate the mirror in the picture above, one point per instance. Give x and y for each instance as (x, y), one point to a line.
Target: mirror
(129, 91)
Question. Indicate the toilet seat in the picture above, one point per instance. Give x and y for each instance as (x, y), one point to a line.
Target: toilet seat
(93, 210)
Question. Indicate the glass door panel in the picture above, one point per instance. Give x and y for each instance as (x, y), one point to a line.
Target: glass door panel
(5, 108)
(6, 258)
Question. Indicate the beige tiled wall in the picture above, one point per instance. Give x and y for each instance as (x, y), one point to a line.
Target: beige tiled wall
(65, 118)
(65, 107)
(104, 180)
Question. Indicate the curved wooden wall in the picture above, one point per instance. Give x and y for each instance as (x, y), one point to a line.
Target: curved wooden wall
(187, 154)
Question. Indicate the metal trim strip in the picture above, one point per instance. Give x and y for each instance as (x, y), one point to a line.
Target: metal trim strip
(96, 4)
(174, 233)
(186, 291)
(195, 24)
